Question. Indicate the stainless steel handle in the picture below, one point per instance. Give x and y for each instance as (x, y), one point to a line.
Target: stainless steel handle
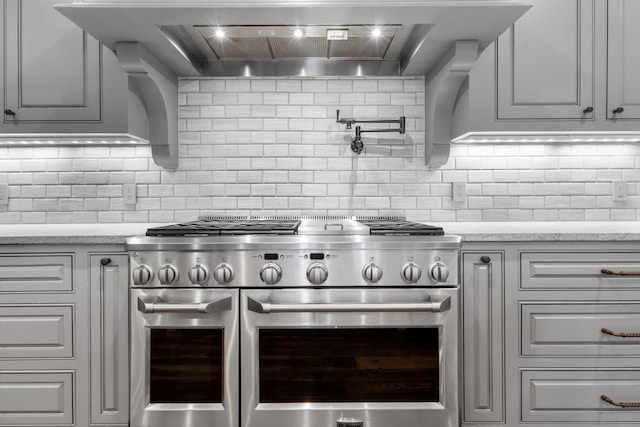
(429, 306)
(159, 306)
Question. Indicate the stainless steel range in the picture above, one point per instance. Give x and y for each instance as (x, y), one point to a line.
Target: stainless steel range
(310, 322)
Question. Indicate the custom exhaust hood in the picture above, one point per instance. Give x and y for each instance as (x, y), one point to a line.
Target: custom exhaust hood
(157, 41)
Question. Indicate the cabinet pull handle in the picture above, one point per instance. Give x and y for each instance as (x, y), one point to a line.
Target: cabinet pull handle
(105, 261)
(619, 273)
(10, 112)
(587, 110)
(485, 259)
(618, 110)
(620, 334)
(610, 401)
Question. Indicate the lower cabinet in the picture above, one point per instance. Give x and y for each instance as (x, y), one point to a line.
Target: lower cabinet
(109, 338)
(551, 334)
(63, 335)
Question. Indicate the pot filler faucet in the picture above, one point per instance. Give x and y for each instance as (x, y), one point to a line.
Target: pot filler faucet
(356, 144)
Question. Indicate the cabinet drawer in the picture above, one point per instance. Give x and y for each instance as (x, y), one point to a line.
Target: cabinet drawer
(36, 273)
(36, 331)
(574, 396)
(575, 329)
(577, 270)
(36, 398)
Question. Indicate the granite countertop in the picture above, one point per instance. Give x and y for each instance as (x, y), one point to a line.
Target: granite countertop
(544, 231)
(116, 233)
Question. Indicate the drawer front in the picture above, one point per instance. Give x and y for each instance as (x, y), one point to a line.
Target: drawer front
(574, 396)
(36, 273)
(36, 331)
(36, 398)
(575, 329)
(575, 270)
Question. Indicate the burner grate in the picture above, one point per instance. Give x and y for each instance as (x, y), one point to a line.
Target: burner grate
(227, 226)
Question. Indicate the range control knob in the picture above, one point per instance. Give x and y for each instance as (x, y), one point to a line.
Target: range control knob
(142, 275)
(439, 272)
(198, 274)
(270, 273)
(372, 273)
(223, 274)
(411, 272)
(317, 273)
(168, 274)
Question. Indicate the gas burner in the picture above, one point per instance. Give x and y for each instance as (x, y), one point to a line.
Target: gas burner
(222, 227)
(399, 226)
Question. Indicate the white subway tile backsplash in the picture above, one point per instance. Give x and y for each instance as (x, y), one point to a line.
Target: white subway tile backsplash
(272, 146)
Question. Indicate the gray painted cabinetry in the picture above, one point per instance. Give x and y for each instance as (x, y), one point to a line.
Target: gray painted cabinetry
(55, 77)
(63, 335)
(547, 333)
(565, 65)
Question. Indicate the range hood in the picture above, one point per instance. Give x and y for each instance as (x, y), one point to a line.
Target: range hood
(156, 41)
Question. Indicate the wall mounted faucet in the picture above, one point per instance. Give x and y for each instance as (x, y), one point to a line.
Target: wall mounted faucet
(356, 144)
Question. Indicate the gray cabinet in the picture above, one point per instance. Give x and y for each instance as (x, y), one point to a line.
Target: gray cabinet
(555, 327)
(483, 330)
(564, 66)
(545, 62)
(64, 335)
(56, 78)
(623, 87)
(109, 338)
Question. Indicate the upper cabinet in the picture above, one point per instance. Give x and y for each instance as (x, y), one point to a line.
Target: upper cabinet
(623, 85)
(545, 63)
(55, 77)
(566, 65)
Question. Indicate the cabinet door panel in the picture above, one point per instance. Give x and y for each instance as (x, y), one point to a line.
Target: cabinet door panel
(36, 398)
(574, 396)
(109, 339)
(483, 331)
(52, 71)
(575, 329)
(623, 88)
(547, 74)
(36, 331)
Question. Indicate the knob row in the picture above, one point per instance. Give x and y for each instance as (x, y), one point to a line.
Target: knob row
(271, 273)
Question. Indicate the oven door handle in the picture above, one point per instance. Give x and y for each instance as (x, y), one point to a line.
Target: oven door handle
(159, 306)
(428, 306)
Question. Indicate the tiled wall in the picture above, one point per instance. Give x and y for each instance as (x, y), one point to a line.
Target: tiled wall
(253, 146)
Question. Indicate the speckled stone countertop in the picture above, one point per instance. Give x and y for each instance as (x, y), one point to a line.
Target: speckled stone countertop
(587, 231)
(470, 232)
(102, 233)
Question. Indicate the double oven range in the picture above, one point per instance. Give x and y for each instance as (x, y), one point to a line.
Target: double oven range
(296, 322)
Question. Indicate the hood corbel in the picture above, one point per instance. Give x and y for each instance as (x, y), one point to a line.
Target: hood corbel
(442, 85)
(157, 89)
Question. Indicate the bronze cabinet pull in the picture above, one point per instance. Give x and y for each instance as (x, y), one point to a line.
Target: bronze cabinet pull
(610, 401)
(619, 273)
(620, 334)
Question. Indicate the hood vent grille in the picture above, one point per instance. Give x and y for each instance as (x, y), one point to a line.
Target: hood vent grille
(241, 43)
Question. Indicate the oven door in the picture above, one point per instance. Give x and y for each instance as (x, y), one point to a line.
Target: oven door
(184, 358)
(330, 357)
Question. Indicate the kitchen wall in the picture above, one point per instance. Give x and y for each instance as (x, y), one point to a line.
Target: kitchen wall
(272, 146)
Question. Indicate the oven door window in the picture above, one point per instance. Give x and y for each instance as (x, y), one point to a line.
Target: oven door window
(186, 365)
(349, 365)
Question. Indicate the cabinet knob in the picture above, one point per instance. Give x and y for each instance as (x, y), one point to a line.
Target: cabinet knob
(587, 110)
(485, 259)
(618, 110)
(10, 112)
(105, 261)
